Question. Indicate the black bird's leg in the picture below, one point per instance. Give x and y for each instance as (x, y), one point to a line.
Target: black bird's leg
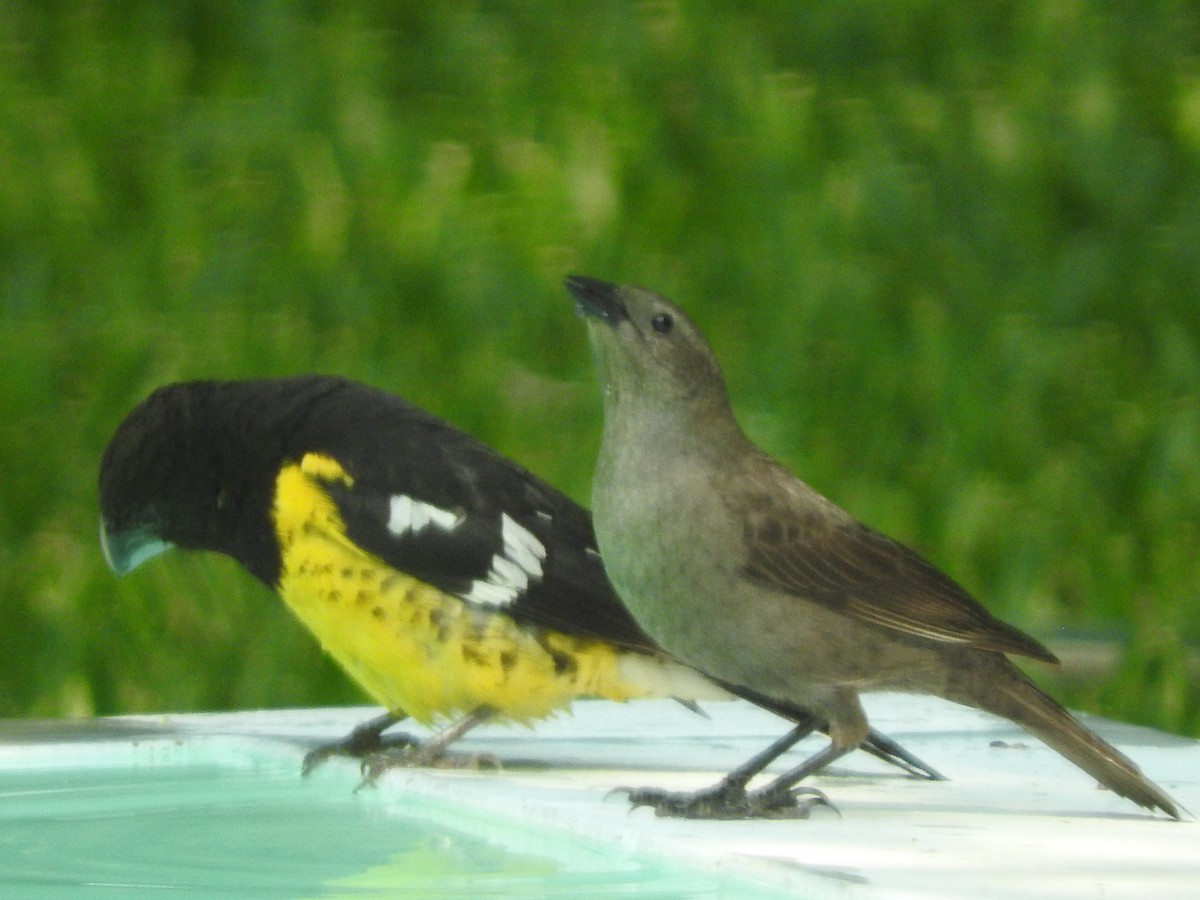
(361, 742)
(432, 751)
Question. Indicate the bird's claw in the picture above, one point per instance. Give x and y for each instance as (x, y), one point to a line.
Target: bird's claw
(728, 801)
(359, 746)
(418, 756)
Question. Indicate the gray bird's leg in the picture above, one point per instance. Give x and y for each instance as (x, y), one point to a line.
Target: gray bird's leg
(782, 792)
(729, 799)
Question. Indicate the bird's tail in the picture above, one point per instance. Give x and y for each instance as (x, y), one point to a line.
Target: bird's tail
(1013, 696)
(877, 744)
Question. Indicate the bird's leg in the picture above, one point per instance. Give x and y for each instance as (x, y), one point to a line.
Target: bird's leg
(729, 798)
(782, 793)
(363, 741)
(848, 729)
(432, 751)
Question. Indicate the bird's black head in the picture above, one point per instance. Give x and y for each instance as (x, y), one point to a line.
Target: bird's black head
(645, 346)
(184, 470)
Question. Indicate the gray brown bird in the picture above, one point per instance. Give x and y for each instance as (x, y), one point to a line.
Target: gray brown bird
(740, 569)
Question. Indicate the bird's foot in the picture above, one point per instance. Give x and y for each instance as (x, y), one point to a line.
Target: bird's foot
(360, 744)
(730, 800)
(422, 756)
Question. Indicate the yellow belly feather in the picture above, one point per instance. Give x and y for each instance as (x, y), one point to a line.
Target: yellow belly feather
(415, 649)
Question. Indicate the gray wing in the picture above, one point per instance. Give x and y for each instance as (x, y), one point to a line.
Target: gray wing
(861, 573)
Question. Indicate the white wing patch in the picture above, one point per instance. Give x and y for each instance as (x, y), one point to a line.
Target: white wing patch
(518, 562)
(522, 547)
(406, 515)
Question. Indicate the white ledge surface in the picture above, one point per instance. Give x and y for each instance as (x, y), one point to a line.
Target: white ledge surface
(1015, 819)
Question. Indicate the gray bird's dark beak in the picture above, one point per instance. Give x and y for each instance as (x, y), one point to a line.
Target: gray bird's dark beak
(597, 299)
(124, 551)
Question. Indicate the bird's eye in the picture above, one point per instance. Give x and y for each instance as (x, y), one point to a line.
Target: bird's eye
(662, 323)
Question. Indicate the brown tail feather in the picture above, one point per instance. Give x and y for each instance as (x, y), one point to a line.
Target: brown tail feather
(1010, 694)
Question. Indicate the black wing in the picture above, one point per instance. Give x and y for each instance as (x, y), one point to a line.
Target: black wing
(430, 500)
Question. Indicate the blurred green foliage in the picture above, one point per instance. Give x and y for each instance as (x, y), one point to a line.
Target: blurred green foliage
(946, 251)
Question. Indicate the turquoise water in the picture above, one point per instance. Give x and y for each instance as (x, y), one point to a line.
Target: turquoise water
(163, 818)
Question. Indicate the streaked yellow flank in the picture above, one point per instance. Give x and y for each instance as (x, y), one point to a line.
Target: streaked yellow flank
(416, 649)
